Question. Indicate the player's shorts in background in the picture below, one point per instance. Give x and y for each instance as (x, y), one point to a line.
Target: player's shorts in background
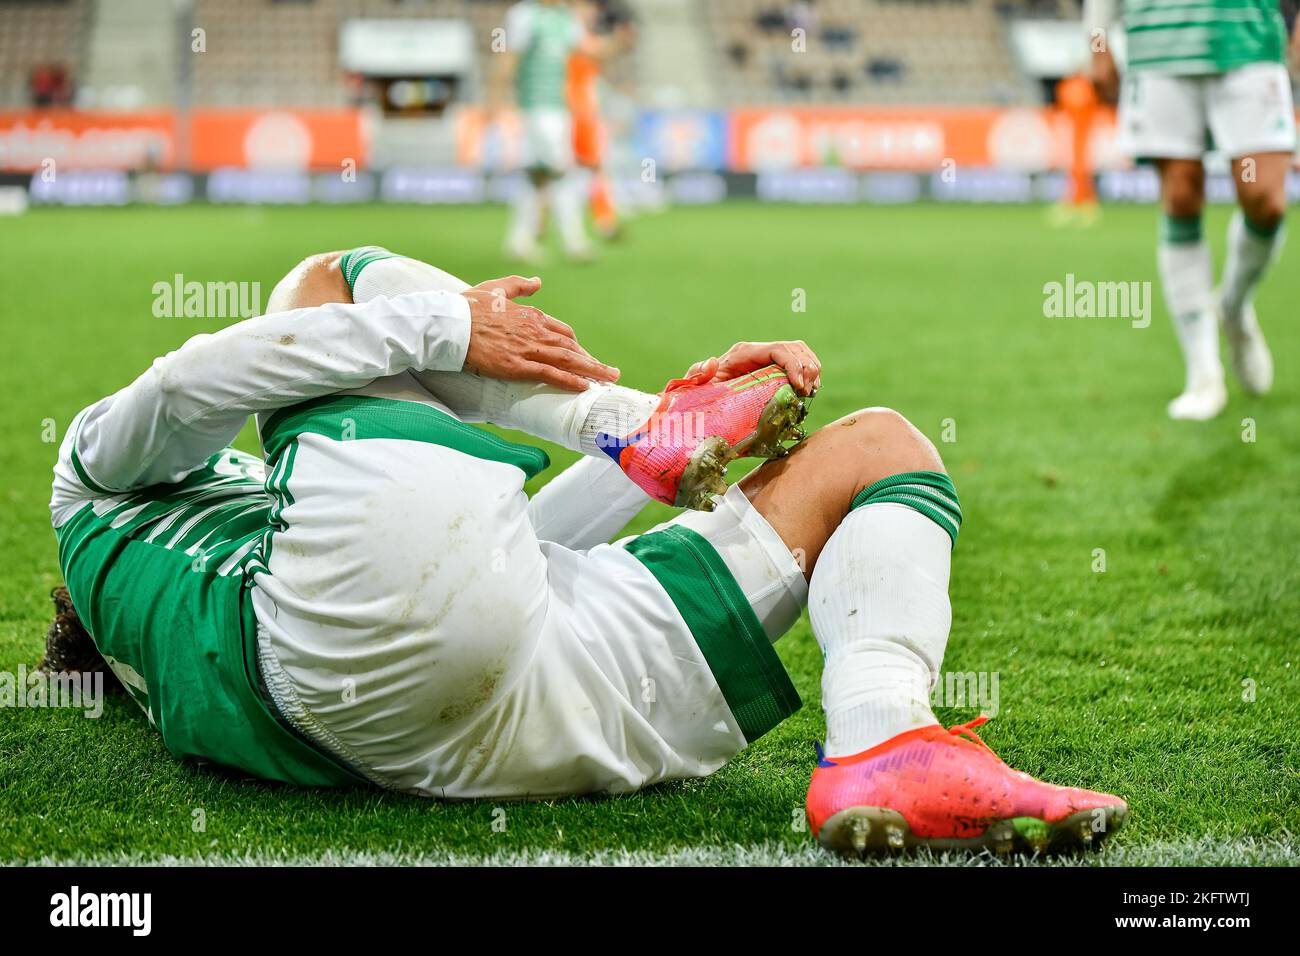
(548, 140)
(1238, 113)
(413, 625)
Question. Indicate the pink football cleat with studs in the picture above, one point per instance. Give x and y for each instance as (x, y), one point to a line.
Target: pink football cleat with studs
(680, 455)
(947, 790)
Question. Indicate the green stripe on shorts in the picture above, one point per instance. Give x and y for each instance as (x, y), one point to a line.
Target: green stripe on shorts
(358, 417)
(750, 675)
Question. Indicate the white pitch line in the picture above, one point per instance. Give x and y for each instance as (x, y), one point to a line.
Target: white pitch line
(1203, 851)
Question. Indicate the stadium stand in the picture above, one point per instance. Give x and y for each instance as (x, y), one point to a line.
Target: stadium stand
(285, 52)
(35, 37)
(262, 53)
(866, 51)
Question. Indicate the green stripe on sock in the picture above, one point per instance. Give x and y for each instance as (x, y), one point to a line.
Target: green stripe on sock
(1258, 231)
(354, 260)
(929, 492)
(1180, 230)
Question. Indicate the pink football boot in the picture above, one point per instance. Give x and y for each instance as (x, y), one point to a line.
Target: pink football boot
(947, 790)
(680, 455)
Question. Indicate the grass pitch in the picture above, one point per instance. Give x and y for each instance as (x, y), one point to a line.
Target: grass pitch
(1171, 677)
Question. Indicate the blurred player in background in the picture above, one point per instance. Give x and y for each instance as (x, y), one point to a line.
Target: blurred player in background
(589, 133)
(1207, 74)
(541, 35)
(1077, 98)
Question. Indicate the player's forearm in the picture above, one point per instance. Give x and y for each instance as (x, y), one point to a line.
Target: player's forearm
(192, 402)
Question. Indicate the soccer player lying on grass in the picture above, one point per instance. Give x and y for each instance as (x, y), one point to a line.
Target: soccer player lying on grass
(380, 602)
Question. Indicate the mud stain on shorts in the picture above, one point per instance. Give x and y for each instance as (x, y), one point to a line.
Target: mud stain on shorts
(478, 698)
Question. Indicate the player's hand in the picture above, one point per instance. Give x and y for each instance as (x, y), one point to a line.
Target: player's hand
(800, 363)
(1105, 76)
(521, 344)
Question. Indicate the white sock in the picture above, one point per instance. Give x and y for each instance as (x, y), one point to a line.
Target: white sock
(878, 602)
(574, 420)
(570, 210)
(525, 215)
(1249, 256)
(375, 272)
(1187, 276)
(615, 412)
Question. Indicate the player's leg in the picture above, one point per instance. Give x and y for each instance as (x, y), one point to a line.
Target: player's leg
(1256, 232)
(588, 152)
(1253, 121)
(1255, 238)
(527, 207)
(1187, 278)
(865, 505)
(668, 636)
(1162, 118)
(789, 523)
(550, 180)
(604, 212)
(878, 570)
(569, 192)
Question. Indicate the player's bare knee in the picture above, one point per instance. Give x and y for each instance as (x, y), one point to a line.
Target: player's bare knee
(315, 280)
(1182, 189)
(324, 267)
(1263, 207)
(889, 442)
(1183, 200)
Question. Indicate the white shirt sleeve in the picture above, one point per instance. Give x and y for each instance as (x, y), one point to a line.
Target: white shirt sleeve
(191, 403)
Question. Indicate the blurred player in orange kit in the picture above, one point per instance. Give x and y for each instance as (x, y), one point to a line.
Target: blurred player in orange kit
(589, 132)
(1077, 98)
